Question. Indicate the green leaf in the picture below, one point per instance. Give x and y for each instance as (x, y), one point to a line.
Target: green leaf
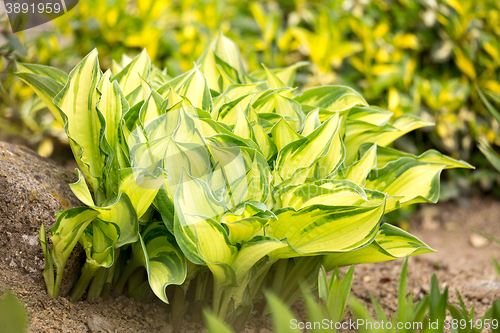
(320, 228)
(129, 78)
(324, 192)
(283, 134)
(78, 100)
(283, 319)
(360, 132)
(276, 102)
(69, 227)
(284, 74)
(390, 243)
(360, 169)
(162, 258)
(46, 82)
(13, 315)
(214, 324)
(386, 155)
(113, 105)
(152, 108)
(195, 88)
(333, 98)
(416, 181)
(47, 71)
(319, 146)
(370, 114)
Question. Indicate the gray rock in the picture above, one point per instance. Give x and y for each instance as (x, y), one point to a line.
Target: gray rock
(32, 189)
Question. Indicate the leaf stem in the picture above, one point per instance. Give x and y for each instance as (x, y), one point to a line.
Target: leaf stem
(88, 272)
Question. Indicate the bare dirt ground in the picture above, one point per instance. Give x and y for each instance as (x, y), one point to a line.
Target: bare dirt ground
(445, 227)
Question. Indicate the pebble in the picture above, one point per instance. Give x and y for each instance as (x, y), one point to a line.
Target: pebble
(99, 324)
(478, 241)
(367, 278)
(425, 288)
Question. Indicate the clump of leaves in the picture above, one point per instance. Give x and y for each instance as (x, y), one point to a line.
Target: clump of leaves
(223, 183)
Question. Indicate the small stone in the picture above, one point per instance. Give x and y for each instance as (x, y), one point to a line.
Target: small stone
(478, 241)
(367, 278)
(99, 324)
(425, 288)
(429, 218)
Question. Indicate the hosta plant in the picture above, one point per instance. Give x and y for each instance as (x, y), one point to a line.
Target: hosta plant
(224, 183)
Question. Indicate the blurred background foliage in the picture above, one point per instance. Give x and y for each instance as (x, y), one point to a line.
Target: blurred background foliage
(410, 56)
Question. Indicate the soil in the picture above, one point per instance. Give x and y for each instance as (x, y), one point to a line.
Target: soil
(459, 264)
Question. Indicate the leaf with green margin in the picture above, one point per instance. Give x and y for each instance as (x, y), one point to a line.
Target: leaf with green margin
(141, 186)
(305, 152)
(390, 243)
(162, 258)
(99, 244)
(266, 145)
(242, 172)
(228, 51)
(233, 92)
(246, 221)
(321, 228)
(386, 155)
(78, 100)
(370, 114)
(120, 211)
(129, 78)
(242, 126)
(285, 74)
(283, 134)
(324, 192)
(81, 190)
(112, 105)
(195, 88)
(312, 122)
(67, 230)
(273, 82)
(361, 168)
(152, 108)
(200, 237)
(47, 71)
(252, 251)
(415, 180)
(333, 98)
(360, 132)
(46, 82)
(228, 111)
(280, 104)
